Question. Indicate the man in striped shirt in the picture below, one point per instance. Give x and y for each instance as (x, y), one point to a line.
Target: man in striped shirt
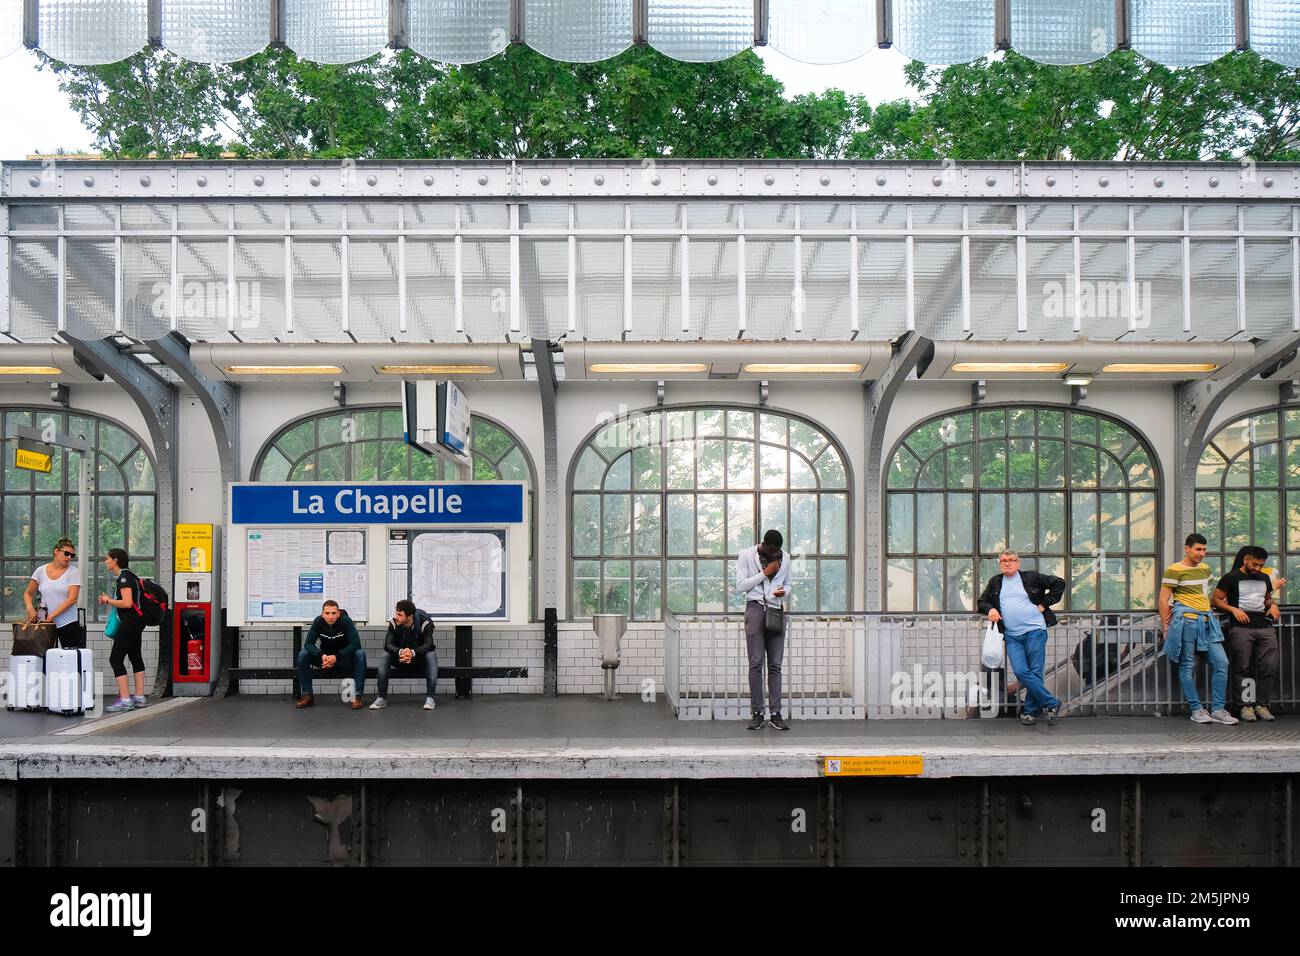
(1190, 627)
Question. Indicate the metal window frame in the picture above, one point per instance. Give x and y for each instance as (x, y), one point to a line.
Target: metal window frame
(663, 493)
(68, 492)
(1068, 555)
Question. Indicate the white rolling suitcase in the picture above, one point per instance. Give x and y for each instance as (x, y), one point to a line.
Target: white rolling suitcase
(26, 689)
(69, 681)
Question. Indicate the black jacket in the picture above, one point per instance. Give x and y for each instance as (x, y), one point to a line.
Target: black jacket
(1044, 589)
(340, 639)
(418, 637)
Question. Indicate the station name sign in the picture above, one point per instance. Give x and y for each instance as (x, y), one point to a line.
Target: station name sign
(438, 503)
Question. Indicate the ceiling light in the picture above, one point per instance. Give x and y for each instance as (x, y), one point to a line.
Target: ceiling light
(283, 370)
(437, 369)
(1009, 367)
(44, 370)
(633, 367)
(1082, 380)
(793, 367)
(1158, 368)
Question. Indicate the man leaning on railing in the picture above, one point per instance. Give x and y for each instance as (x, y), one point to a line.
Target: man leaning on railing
(1020, 604)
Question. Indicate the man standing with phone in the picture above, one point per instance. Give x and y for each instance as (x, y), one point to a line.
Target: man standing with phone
(762, 573)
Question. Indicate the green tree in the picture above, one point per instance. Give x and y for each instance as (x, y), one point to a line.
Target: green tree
(518, 104)
(1121, 107)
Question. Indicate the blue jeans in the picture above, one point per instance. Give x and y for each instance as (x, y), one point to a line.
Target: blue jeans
(1187, 673)
(1027, 654)
(389, 661)
(304, 665)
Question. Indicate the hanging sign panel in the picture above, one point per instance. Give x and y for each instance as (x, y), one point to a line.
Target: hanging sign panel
(484, 503)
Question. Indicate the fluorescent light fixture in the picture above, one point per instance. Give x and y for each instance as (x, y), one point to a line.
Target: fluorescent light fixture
(284, 370)
(778, 368)
(1010, 367)
(635, 367)
(1161, 368)
(1081, 380)
(29, 370)
(437, 369)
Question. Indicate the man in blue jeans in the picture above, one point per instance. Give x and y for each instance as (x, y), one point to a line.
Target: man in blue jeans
(1190, 628)
(334, 646)
(1019, 603)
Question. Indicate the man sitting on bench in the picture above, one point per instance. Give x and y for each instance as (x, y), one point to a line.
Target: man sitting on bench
(409, 641)
(339, 653)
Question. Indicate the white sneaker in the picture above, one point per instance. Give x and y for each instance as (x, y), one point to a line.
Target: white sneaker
(1221, 716)
(1202, 716)
(428, 703)
(378, 704)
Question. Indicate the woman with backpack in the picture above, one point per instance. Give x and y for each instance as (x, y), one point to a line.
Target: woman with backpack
(126, 633)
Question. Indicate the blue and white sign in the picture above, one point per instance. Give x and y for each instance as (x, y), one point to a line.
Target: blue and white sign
(351, 503)
(453, 418)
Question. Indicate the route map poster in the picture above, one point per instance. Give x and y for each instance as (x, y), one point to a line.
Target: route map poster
(452, 574)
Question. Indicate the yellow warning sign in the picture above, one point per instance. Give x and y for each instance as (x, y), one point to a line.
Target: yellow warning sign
(193, 547)
(32, 460)
(909, 765)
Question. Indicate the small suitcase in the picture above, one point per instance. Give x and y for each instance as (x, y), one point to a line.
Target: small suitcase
(26, 689)
(69, 681)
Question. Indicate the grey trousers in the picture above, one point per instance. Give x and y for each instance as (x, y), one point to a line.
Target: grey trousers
(758, 642)
(1245, 642)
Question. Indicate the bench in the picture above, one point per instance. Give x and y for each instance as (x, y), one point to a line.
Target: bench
(463, 671)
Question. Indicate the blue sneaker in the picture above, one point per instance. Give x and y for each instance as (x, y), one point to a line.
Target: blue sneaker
(138, 701)
(122, 705)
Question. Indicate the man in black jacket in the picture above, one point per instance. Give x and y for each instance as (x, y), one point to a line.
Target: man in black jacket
(1019, 603)
(334, 646)
(409, 641)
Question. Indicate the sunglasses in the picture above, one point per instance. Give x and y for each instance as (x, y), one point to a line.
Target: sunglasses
(72, 555)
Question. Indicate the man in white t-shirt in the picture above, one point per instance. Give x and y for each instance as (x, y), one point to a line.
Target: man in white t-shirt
(59, 585)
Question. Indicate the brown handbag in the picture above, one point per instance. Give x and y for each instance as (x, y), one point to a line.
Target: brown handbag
(33, 639)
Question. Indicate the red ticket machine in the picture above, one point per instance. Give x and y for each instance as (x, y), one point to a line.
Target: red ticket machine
(196, 624)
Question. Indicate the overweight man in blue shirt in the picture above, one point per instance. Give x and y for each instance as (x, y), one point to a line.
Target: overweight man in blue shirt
(1020, 604)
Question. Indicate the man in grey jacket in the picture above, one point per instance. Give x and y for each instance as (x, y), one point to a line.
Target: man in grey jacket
(762, 573)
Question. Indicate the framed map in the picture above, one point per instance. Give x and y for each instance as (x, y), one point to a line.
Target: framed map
(452, 574)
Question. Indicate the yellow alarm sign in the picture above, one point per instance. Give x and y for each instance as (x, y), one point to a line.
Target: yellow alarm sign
(194, 547)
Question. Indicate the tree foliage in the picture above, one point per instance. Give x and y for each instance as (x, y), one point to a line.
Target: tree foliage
(520, 104)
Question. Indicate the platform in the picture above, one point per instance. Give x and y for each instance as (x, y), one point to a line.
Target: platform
(586, 738)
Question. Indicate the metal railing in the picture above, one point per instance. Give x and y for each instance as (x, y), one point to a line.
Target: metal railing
(928, 665)
(706, 667)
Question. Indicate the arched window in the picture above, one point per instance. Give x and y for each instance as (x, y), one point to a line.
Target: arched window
(1075, 493)
(39, 509)
(365, 444)
(663, 501)
(1248, 492)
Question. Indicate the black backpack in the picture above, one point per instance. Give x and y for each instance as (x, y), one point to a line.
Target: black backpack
(153, 602)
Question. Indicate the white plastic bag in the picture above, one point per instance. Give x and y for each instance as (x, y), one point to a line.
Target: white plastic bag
(991, 652)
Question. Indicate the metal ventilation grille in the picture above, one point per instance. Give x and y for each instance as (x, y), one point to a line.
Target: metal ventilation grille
(544, 285)
(882, 287)
(769, 288)
(657, 291)
(202, 291)
(715, 302)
